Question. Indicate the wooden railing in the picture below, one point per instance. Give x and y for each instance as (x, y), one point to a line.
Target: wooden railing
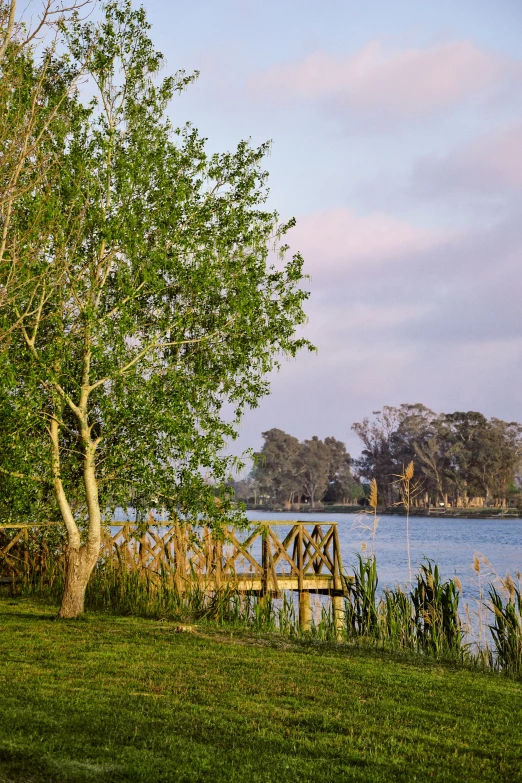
(260, 561)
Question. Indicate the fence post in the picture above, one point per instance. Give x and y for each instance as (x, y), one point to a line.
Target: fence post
(305, 609)
(337, 600)
(264, 563)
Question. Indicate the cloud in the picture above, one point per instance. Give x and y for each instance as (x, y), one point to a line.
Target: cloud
(339, 242)
(384, 283)
(376, 84)
(404, 315)
(487, 166)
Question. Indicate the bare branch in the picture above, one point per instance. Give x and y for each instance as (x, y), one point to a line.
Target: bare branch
(9, 29)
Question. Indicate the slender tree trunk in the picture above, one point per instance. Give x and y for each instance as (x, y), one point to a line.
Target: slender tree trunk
(79, 564)
(80, 558)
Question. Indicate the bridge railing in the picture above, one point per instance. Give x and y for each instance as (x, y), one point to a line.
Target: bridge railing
(267, 559)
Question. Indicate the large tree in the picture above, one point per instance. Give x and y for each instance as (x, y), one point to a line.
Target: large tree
(276, 469)
(458, 456)
(158, 299)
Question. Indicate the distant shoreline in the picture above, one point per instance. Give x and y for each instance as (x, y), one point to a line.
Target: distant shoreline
(451, 513)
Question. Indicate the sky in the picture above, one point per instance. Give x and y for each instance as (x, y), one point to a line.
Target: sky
(396, 133)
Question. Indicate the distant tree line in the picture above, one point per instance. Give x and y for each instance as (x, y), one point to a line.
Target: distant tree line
(460, 458)
(287, 471)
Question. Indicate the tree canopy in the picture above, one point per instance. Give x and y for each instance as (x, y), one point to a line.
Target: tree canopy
(152, 291)
(459, 457)
(287, 471)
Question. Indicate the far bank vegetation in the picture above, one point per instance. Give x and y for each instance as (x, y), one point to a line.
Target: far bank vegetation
(461, 459)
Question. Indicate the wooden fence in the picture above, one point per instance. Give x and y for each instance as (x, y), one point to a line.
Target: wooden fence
(261, 561)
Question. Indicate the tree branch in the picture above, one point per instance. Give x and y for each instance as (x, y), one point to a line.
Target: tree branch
(15, 474)
(65, 509)
(151, 347)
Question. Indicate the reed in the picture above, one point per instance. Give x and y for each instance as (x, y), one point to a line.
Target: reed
(361, 525)
(425, 619)
(119, 590)
(408, 491)
(397, 619)
(506, 627)
(361, 605)
(436, 606)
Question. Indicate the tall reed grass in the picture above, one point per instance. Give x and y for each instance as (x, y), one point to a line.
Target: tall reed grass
(506, 628)
(408, 492)
(424, 619)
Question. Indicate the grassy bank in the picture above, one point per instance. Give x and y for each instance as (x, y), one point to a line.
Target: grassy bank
(129, 699)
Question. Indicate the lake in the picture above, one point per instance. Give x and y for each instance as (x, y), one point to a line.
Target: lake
(451, 543)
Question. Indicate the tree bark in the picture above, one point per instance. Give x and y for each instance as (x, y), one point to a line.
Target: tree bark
(79, 564)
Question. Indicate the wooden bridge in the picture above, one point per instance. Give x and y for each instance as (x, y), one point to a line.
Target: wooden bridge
(260, 562)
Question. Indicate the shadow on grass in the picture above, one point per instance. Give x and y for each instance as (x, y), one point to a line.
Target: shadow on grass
(19, 765)
(28, 616)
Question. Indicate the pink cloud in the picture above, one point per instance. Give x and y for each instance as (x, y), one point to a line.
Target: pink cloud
(408, 83)
(490, 163)
(339, 239)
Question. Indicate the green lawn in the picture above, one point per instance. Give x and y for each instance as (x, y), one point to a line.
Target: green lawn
(113, 699)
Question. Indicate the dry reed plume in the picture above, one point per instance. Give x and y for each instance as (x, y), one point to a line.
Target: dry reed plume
(408, 492)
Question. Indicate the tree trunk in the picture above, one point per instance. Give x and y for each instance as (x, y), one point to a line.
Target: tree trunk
(79, 564)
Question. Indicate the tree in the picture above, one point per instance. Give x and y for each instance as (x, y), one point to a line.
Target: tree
(155, 303)
(484, 454)
(314, 463)
(13, 33)
(342, 486)
(286, 469)
(377, 459)
(276, 468)
(35, 87)
(458, 456)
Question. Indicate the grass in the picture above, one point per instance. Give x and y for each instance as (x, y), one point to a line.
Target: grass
(129, 699)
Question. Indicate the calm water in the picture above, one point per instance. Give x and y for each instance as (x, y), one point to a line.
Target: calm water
(451, 543)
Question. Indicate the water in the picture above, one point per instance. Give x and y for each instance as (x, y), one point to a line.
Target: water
(451, 543)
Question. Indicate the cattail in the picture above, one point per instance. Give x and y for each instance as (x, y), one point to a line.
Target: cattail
(373, 494)
(509, 585)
